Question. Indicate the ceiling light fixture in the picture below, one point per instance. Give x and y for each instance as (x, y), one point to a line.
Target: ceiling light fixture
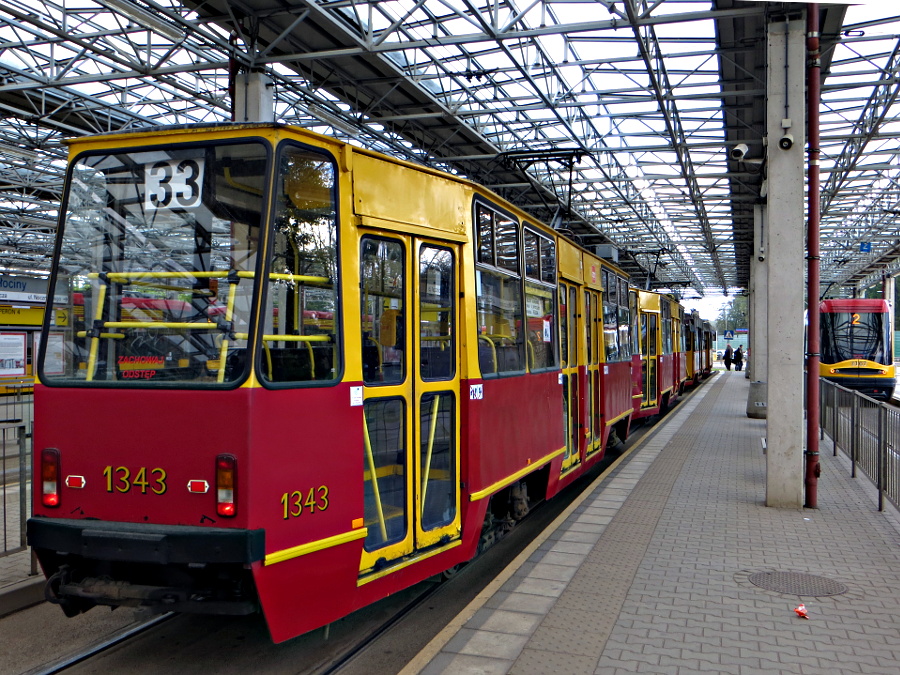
(23, 153)
(144, 18)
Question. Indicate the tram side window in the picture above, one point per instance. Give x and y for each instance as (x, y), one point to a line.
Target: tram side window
(437, 459)
(384, 476)
(625, 338)
(382, 294)
(632, 324)
(564, 323)
(156, 266)
(540, 346)
(666, 325)
(436, 316)
(498, 291)
(618, 336)
(610, 317)
(300, 328)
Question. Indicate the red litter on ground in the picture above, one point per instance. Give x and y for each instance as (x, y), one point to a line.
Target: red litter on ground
(801, 612)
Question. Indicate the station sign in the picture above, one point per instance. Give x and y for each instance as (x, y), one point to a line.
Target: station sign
(25, 290)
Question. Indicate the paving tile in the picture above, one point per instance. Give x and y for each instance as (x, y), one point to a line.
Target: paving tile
(547, 587)
(465, 664)
(489, 644)
(527, 602)
(536, 662)
(505, 621)
(552, 572)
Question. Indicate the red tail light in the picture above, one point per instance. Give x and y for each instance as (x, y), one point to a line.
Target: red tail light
(50, 477)
(226, 485)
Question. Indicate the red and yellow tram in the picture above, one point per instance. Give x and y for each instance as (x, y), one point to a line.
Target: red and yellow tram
(659, 368)
(300, 376)
(699, 339)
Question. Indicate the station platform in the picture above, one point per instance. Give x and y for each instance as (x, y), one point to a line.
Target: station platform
(672, 563)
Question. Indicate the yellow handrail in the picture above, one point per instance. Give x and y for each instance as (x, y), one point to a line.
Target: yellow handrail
(204, 326)
(84, 333)
(292, 338)
(128, 276)
(377, 351)
(223, 349)
(370, 458)
(220, 274)
(427, 471)
(204, 292)
(493, 349)
(268, 358)
(160, 324)
(95, 340)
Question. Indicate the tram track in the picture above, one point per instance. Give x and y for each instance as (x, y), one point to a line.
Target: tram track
(100, 646)
(338, 664)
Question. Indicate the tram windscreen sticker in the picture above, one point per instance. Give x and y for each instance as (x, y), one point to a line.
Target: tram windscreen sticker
(173, 184)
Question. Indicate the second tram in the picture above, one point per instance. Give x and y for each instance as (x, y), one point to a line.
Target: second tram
(857, 345)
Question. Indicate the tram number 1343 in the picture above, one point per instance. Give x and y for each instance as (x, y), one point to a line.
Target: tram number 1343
(120, 479)
(292, 503)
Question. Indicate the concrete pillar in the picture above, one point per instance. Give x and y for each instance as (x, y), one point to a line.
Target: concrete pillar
(759, 296)
(786, 226)
(254, 98)
(758, 363)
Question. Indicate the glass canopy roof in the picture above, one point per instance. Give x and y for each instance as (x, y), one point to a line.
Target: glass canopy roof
(610, 120)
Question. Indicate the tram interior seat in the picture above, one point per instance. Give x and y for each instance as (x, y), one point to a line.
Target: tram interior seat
(435, 362)
(499, 355)
(293, 364)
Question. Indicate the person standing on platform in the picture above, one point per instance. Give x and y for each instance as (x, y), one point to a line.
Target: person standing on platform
(739, 358)
(728, 357)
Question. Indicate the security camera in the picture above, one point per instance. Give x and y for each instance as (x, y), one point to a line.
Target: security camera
(739, 151)
(786, 142)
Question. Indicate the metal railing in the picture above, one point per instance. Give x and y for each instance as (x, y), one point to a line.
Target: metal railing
(868, 432)
(16, 418)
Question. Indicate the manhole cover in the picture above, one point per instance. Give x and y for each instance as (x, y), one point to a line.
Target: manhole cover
(797, 583)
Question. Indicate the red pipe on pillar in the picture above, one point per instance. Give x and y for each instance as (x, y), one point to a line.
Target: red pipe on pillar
(813, 89)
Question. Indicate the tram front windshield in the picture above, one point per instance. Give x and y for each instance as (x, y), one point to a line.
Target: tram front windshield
(156, 267)
(854, 335)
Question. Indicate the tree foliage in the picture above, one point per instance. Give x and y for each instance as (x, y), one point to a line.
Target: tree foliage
(734, 314)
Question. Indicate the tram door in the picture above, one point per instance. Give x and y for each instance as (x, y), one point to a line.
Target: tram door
(592, 319)
(570, 333)
(649, 356)
(410, 360)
